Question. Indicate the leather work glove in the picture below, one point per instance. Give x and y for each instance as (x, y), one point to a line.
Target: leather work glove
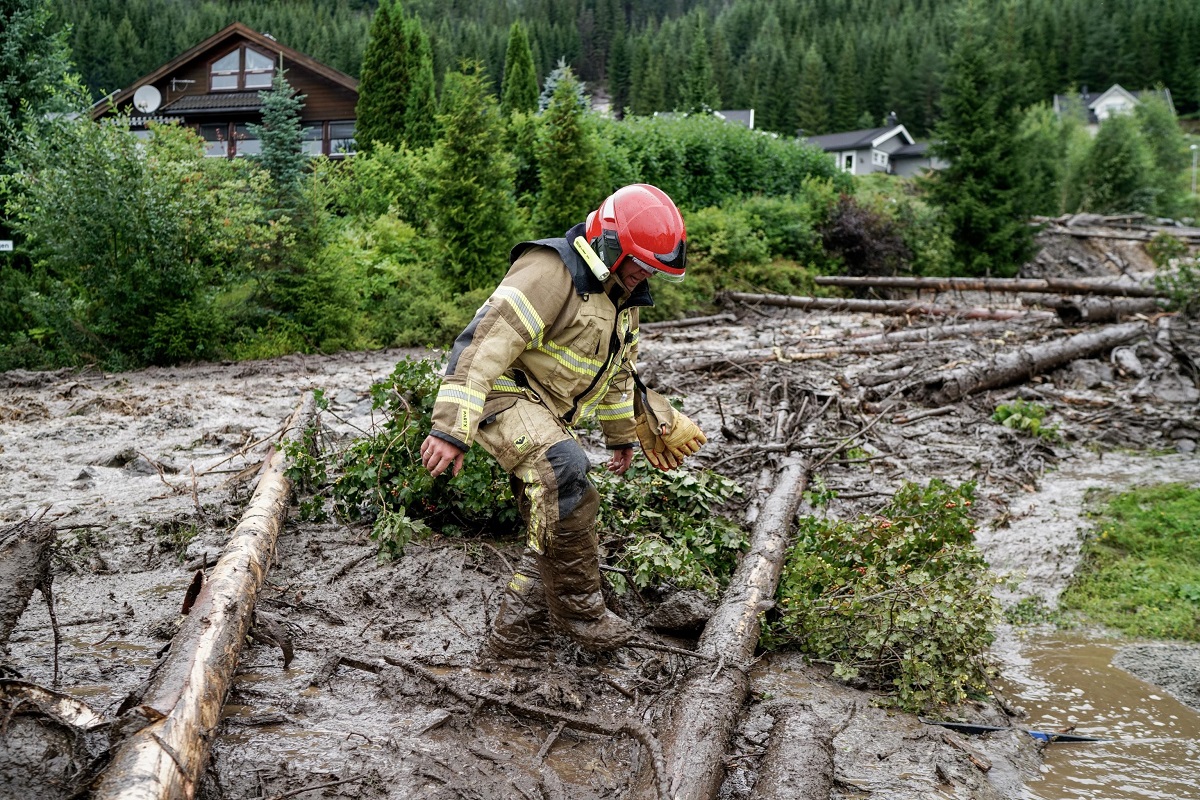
(666, 435)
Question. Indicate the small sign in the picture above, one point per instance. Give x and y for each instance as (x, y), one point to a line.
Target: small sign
(6, 246)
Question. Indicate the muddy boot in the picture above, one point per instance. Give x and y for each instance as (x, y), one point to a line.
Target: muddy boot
(571, 572)
(523, 621)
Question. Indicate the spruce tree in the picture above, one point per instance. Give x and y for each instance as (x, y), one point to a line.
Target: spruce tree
(697, 92)
(420, 112)
(519, 89)
(386, 76)
(282, 139)
(568, 160)
(847, 97)
(620, 74)
(980, 190)
(812, 112)
(471, 183)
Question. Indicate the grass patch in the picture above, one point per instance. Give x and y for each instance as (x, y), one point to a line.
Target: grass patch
(1141, 568)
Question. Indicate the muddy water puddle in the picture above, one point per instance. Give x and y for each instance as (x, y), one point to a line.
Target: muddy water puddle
(1065, 680)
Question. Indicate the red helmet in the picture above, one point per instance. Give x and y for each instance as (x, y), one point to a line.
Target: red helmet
(640, 222)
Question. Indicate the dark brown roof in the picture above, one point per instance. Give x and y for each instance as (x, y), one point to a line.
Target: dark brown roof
(233, 31)
(225, 101)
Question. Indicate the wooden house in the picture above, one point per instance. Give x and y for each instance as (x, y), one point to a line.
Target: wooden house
(889, 149)
(214, 87)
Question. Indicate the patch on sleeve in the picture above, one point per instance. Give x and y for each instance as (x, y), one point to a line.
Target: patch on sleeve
(521, 443)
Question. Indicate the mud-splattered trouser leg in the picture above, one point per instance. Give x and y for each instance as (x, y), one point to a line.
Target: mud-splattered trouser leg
(559, 503)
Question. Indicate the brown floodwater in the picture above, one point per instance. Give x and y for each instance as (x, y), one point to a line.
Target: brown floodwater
(1067, 680)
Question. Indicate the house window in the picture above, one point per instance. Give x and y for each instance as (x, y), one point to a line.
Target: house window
(341, 138)
(216, 140)
(314, 139)
(848, 164)
(243, 68)
(879, 158)
(245, 142)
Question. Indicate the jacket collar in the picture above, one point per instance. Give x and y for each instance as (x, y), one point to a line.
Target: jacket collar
(587, 283)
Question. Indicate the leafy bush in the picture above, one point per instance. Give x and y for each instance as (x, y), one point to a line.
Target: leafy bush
(380, 476)
(868, 243)
(132, 239)
(668, 527)
(701, 161)
(1022, 415)
(899, 601)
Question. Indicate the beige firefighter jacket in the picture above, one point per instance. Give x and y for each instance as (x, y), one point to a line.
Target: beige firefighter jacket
(550, 333)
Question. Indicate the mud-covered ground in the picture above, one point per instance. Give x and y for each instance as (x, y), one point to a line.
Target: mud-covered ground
(144, 474)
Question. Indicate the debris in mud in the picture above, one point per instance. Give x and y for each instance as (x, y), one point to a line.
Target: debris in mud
(770, 385)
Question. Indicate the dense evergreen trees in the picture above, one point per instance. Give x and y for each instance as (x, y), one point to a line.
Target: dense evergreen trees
(396, 96)
(878, 56)
(519, 89)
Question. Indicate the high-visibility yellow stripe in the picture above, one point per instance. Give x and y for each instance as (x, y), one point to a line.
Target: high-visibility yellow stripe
(615, 411)
(588, 406)
(525, 311)
(462, 396)
(506, 385)
(570, 359)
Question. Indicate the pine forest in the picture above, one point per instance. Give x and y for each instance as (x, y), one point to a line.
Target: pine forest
(810, 65)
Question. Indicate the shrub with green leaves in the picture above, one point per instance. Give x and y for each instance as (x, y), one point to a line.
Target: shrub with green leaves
(380, 476)
(900, 601)
(668, 528)
(1027, 417)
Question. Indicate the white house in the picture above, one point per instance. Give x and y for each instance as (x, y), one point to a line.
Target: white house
(1095, 108)
(889, 149)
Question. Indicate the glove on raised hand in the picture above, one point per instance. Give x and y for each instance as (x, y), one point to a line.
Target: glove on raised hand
(666, 435)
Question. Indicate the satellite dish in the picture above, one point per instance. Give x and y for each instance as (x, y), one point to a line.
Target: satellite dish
(146, 99)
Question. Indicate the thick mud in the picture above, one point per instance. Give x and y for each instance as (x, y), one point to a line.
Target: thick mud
(144, 474)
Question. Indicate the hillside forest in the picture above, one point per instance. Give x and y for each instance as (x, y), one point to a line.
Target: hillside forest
(816, 65)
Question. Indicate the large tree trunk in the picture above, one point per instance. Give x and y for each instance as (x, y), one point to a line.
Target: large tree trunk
(1046, 285)
(897, 307)
(182, 703)
(698, 724)
(1073, 310)
(24, 566)
(798, 764)
(1015, 367)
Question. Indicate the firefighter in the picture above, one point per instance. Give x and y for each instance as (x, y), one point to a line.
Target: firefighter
(556, 343)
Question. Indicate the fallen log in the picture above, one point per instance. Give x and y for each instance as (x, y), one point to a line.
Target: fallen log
(799, 758)
(697, 725)
(897, 307)
(764, 355)
(929, 333)
(24, 566)
(1006, 369)
(1073, 310)
(689, 322)
(180, 706)
(1032, 285)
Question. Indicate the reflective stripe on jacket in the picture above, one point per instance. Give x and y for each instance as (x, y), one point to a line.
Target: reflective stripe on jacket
(548, 331)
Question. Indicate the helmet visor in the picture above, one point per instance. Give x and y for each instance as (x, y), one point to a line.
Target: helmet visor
(651, 271)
